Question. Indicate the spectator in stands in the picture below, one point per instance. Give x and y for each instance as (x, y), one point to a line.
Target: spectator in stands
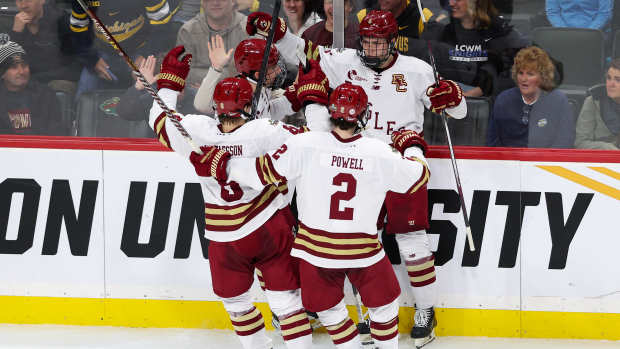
(41, 30)
(477, 34)
(187, 11)
(218, 18)
(593, 14)
(410, 24)
(322, 33)
(532, 114)
(136, 103)
(299, 15)
(26, 107)
(598, 125)
(140, 27)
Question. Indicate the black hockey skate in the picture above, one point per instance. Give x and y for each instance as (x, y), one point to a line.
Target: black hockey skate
(423, 331)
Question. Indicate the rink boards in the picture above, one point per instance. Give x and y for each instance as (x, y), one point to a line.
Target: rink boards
(106, 232)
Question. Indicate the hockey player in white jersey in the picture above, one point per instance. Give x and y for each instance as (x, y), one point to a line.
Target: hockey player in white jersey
(399, 88)
(342, 178)
(248, 228)
(248, 57)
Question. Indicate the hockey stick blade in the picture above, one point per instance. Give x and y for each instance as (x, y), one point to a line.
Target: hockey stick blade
(110, 38)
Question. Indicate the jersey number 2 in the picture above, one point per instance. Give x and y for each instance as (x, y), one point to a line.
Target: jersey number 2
(334, 207)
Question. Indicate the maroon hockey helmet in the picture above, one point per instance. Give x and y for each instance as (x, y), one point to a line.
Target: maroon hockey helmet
(231, 95)
(249, 56)
(379, 24)
(349, 102)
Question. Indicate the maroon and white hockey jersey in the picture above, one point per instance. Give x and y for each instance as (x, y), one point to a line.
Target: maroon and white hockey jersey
(341, 185)
(396, 95)
(234, 210)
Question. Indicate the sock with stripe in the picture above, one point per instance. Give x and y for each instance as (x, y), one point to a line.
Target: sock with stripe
(250, 328)
(296, 330)
(422, 279)
(385, 334)
(345, 334)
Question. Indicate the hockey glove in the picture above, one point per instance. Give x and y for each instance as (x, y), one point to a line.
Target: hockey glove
(173, 71)
(312, 86)
(212, 163)
(406, 138)
(291, 96)
(447, 95)
(260, 22)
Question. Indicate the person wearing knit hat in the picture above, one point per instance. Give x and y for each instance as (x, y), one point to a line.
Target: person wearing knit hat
(10, 53)
(26, 106)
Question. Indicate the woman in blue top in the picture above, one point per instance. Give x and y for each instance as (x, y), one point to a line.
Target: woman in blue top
(593, 14)
(532, 114)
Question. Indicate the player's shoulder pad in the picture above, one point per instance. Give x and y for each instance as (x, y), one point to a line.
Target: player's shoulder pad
(262, 126)
(412, 64)
(197, 120)
(342, 54)
(377, 146)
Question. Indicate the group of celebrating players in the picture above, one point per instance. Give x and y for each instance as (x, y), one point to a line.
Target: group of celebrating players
(358, 168)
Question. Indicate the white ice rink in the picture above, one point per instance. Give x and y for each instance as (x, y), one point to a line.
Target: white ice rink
(52, 336)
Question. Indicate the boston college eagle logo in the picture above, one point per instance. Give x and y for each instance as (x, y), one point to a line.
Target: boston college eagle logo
(352, 75)
(399, 81)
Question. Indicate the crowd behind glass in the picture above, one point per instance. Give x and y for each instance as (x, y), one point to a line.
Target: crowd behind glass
(540, 74)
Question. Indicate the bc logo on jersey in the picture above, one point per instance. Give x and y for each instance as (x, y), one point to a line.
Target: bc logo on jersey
(399, 81)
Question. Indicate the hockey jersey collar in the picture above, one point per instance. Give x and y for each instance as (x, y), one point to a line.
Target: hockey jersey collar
(381, 70)
(219, 127)
(348, 140)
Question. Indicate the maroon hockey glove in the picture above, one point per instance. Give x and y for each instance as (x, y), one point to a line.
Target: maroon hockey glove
(291, 96)
(174, 71)
(212, 163)
(312, 86)
(406, 138)
(260, 22)
(447, 95)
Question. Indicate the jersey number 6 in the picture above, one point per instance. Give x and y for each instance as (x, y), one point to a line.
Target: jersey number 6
(231, 191)
(334, 207)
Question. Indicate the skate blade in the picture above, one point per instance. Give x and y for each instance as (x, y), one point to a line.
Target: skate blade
(367, 341)
(420, 342)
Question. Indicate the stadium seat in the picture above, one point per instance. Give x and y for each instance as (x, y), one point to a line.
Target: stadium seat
(97, 117)
(68, 119)
(8, 10)
(471, 130)
(521, 22)
(581, 52)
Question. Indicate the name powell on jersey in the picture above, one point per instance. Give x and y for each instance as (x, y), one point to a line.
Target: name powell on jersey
(399, 81)
(350, 163)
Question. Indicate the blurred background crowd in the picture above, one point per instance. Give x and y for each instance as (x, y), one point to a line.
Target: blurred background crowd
(536, 73)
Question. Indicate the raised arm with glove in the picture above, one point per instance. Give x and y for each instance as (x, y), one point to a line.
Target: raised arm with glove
(174, 70)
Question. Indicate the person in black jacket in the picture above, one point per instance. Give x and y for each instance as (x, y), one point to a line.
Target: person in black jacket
(26, 107)
(476, 48)
(41, 29)
(141, 28)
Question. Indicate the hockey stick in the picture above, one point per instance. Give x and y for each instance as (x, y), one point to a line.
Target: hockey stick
(363, 326)
(102, 28)
(455, 168)
(263, 66)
